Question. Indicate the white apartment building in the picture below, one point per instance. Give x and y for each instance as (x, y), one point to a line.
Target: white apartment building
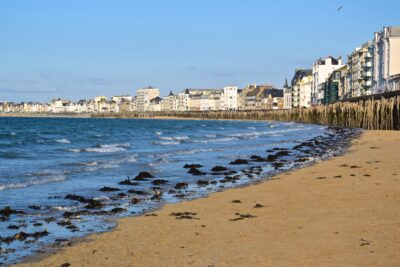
(321, 71)
(229, 99)
(184, 101)
(143, 97)
(387, 60)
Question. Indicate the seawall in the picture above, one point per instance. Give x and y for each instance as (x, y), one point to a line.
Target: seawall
(370, 114)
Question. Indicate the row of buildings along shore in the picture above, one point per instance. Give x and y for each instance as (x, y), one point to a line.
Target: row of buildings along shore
(372, 68)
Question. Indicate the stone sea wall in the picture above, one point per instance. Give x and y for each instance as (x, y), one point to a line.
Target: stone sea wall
(371, 114)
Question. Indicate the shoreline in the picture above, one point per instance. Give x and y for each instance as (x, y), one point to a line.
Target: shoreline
(281, 221)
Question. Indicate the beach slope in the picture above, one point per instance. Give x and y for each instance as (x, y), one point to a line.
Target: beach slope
(344, 211)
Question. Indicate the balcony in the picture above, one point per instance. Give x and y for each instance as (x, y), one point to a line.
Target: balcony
(367, 73)
(367, 64)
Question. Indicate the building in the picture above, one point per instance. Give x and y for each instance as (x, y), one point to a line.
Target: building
(251, 97)
(170, 102)
(386, 76)
(229, 99)
(331, 88)
(321, 70)
(287, 96)
(260, 97)
(143, 97)
(344, 84)
(184, 101)
(272, 99)
(59, 105)
(155, 104)
(120, 98)
(360, 63)
(301, 88)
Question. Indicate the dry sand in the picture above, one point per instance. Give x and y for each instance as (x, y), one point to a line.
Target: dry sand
(351, 220)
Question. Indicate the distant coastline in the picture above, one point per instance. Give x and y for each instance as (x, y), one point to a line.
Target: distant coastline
(45, 115)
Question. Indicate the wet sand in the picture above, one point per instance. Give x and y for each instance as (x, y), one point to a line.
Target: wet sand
(344, 211)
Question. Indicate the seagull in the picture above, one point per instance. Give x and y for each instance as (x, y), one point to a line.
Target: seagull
(340, 8)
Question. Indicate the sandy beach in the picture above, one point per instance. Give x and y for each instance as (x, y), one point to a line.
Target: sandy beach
(344, 211)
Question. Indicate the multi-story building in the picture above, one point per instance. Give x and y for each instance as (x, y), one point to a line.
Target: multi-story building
(331, 88)
(260, 97)
(59, 105)
(272, 99)
(387, 60)
(360, 63)
(184, 101)
(287, 96)
(170, 102)
(301, 88)
(155, 104)
(344, 83)
(143, 97)
(251, 97)
(321, 70)
(229, 99)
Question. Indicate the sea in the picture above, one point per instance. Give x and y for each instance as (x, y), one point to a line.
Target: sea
(44, 160)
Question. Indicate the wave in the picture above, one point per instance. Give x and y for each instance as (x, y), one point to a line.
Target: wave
(108, 148)
(226, 139)
(172, 138)
(63, 141)
(32, 182)
(158, 133)
(95, 168)
(166, 143)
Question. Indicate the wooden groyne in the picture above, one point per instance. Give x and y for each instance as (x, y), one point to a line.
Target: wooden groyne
(371, 114)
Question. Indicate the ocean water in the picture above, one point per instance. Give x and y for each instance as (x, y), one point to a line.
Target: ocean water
(44, 159)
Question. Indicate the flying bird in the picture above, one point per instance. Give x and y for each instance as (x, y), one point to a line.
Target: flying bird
(340, 8)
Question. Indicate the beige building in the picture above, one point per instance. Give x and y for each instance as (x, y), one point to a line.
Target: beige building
(301, 88)
(360, 63)
(143, 97)
(387, 60)
(260, 97)
(344, 83)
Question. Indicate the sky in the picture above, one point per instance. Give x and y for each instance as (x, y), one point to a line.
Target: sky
(77, 49)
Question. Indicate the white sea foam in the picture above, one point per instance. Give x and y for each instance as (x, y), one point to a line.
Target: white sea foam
(131, 158)
(75, 150)
(32, 182)
(211, 135)
(63, 141)
(166, 143)
(158, 133)
(225, 139)
(105, 148)
(172, 138)
(62, 208)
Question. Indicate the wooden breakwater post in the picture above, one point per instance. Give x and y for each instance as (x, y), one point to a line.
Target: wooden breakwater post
(369, 113)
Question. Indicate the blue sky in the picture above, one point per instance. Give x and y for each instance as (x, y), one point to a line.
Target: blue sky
(82, 48)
